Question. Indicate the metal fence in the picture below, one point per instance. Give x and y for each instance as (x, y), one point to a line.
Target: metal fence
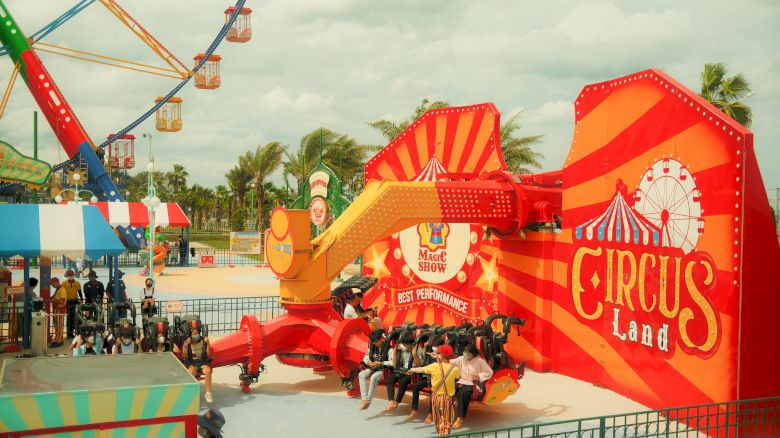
(743, 418)
(223, 315)
(131, 259)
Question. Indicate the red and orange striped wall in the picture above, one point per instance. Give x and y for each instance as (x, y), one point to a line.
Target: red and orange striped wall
(659, 284)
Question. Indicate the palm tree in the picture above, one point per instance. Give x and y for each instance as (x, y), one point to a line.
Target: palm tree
(223, 199)
(346, 157)
(267, 160)
(518, 156)
(301, 163)
(239, 178)
(516, 150)
(177, 180)
(391, 130)
(726, 93)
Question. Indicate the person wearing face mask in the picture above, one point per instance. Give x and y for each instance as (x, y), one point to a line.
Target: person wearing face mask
(443, 375)
(126, 344)
(424, 356)
(91, 345)
(375, 359)
(474, 371)
(72, 291)
(196, 356)
(147, 298)
(402, 358)
(156, 337)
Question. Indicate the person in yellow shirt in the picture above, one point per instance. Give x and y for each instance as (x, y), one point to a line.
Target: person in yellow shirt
(443, 377)
(59, 303)
(72, 292)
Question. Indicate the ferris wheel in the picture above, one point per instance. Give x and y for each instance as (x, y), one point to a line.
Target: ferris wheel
(667, 196)
(167, 108)
(86, 156)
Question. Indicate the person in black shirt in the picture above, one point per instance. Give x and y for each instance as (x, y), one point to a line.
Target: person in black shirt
(93, 289)
(182, 249)
(403, 360)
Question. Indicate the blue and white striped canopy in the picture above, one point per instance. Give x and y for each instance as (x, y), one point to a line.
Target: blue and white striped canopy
(30, 230)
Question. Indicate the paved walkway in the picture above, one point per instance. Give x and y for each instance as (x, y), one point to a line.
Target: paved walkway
(292, 401)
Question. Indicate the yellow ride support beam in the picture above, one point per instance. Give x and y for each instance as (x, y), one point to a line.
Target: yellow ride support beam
(131, 23)
(8, 89)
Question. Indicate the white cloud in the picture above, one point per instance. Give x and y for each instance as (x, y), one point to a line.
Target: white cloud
(342, 63)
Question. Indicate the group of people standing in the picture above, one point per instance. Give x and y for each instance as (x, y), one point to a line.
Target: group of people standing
(452, 380)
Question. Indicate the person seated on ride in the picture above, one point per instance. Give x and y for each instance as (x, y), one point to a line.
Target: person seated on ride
(147, 298)
(443, 375)
(367, 315)
(156, 337)
(196, 356)
(474, 371)
(126, 344)
(402, 359)
(424, 356)
(92, 344)
(374, 361)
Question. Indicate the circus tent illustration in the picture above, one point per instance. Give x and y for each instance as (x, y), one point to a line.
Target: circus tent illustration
(620, 223)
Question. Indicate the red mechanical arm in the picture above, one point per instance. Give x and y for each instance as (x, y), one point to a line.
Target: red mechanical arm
(311, 334)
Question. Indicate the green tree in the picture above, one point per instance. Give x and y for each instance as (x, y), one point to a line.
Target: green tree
(518, 155)
(177, 180)
(391, 130)
(239, 177)
(266, 160)
(727, 93)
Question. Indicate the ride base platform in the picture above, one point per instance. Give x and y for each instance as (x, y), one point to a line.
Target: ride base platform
(125, 395)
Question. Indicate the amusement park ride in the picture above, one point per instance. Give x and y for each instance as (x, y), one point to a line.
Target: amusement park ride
(84, 155)
(646, 265)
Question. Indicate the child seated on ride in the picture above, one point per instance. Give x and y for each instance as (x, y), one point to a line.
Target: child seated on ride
(147, 298)
(92, 344)
(126, 344)
(196, 356)
(374, 361)
(424, 356)
(474, 371)
(402, 359)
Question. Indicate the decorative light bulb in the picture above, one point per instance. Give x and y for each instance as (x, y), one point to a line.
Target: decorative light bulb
(58, 199)
(150, 166)
(77, 177)
(93, 199)
(155, 202)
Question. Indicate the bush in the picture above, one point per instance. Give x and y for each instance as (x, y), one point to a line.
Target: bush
(237, 223)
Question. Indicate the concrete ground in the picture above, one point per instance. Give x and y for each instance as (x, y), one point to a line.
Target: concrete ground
(290, 400)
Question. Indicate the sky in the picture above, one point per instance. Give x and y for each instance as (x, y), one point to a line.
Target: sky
(342, 63)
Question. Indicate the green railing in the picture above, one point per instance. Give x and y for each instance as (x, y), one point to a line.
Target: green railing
(742, 418)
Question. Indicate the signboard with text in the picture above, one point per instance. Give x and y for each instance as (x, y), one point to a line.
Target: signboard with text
(246, 242)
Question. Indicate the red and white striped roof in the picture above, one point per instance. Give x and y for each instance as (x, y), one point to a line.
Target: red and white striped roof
(134, 214)
(433, 171)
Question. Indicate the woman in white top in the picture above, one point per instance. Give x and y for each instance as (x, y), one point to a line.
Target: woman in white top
(147, 298)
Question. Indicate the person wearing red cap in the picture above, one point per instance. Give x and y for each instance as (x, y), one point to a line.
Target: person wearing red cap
(60, 304)
(72, 292)
(443, 375)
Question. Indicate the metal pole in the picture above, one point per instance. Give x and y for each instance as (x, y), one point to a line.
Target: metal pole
(116, 284)
(27, 310)
(320, 144)
(187, 253)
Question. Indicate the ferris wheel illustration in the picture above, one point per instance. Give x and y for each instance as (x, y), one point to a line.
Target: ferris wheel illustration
(667, 196)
